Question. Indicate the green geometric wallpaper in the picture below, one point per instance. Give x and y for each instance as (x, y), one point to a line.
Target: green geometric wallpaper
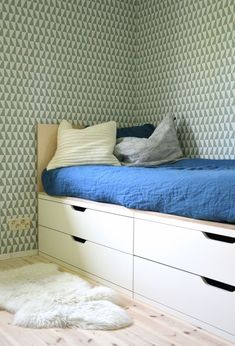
(90, 61)
(186, 65)
(58, 59)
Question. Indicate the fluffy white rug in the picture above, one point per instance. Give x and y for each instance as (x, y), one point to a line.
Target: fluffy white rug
(43, 297)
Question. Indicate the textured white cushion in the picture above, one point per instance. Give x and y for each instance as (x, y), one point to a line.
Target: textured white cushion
(90, 146)
(161, 147)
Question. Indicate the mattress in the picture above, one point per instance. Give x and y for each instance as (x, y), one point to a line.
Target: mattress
(196, 188)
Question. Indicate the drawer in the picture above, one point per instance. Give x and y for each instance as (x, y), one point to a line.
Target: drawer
(207, 254)
(104, 262)
(100, 227)
(184, 292)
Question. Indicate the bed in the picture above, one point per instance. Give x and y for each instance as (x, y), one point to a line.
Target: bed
(169, 259)
(195, 188)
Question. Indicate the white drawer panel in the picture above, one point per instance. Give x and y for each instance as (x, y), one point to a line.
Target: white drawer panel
(186, 293)
(187, 249)
(109, 264)
(103, 228)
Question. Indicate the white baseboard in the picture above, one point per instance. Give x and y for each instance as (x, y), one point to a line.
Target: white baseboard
(19, 254)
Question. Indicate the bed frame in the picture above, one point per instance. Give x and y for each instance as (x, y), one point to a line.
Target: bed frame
(181, 265)
(46, 147)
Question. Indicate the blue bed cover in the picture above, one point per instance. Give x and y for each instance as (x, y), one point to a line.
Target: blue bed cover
(195, 188)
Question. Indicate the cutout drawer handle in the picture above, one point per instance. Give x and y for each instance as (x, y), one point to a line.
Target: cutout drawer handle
(218, 284)
(219, 237)
(79, 240)
(81, 209)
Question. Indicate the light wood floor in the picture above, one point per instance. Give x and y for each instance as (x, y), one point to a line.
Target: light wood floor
(151, 328)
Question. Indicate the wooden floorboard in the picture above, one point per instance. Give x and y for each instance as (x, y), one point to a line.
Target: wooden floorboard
(151, 327)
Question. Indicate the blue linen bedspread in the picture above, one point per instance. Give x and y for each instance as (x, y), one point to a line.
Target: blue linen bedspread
(195, 188)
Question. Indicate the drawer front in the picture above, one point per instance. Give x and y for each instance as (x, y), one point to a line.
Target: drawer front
(103, 228)
(109, 264)
(186, 249)
(186, 293)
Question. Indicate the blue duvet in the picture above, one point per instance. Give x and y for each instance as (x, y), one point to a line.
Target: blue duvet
(195, 188)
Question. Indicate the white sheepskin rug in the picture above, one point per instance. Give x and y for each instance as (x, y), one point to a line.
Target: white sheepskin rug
(43, 297)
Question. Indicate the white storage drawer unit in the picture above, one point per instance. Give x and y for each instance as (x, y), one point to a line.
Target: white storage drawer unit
(97, 242)
(206, 254)
(186, 293)
(104, 262)
(185, 265)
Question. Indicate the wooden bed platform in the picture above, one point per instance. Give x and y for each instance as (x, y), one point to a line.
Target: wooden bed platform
(182, 265)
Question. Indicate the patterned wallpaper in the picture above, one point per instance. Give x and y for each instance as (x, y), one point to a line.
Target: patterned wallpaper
(58, 59)
(90, 61)
(185, 65)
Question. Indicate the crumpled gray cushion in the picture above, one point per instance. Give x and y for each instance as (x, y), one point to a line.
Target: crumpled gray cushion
(161, 147)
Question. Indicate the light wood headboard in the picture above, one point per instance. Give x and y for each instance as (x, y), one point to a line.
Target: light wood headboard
(46, 147)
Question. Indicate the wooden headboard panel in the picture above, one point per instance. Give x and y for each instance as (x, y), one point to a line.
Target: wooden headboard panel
(46, 147)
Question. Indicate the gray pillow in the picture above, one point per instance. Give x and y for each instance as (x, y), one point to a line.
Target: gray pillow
(161, 147)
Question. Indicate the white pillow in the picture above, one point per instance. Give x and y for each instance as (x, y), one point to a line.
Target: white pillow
(93, 145)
